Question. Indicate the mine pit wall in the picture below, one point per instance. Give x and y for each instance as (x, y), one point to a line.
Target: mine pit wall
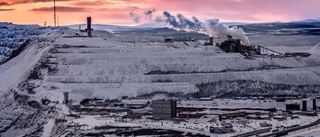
(299, 76)
(229, 89)
(96, 64)
(20, 115)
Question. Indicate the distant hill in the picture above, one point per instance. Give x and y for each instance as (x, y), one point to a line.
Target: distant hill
(311, 20)
(114, 27)
(303, 27)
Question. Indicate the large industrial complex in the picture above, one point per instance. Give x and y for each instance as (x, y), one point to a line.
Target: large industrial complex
(179, 81)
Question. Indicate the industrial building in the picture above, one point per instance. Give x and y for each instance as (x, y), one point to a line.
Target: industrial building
(293, 106)
(234, 46)
(164, 109)
(224, 128)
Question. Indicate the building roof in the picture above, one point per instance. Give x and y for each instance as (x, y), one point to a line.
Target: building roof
(207, 119)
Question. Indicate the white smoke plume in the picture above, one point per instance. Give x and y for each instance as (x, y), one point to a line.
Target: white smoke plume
(180, 22)
(214, 28)
(211, 27)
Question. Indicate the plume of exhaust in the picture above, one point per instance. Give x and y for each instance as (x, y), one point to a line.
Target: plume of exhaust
(214, 28)
(149, 13)
(180, 22)
(134, 16)
(210, 27)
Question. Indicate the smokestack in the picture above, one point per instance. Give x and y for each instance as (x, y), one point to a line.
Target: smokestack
(211, 27)
(314, 102)
(89, 26)
(304, 105)
(211, 40)
(54, 14)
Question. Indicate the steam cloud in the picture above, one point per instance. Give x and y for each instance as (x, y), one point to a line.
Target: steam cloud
(211, 27)
(180, 22)
(134, 16)
(149, 13)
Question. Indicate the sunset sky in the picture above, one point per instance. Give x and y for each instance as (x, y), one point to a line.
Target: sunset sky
(117, 12)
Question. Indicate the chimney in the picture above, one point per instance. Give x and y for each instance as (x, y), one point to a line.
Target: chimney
(314, 102)
(304, 105)
(89, 26)
(211, 40)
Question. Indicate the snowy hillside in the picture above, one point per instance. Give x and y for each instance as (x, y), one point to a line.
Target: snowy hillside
(113, 67)
(24, 46)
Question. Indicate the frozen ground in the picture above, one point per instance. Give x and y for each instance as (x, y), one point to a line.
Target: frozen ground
(113, 66)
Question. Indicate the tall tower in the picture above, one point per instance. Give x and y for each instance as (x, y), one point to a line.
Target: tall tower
(314, 106)
(89, 26)
(54, 10)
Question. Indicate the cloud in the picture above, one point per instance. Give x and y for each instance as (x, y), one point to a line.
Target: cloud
(92, 3)
(15, 2)
(61, 9)
(116, 11)
(149, 13)
(134, 16)
(4, 3)
(7, 9)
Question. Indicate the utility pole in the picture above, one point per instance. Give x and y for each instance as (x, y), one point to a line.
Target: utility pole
(54, 9)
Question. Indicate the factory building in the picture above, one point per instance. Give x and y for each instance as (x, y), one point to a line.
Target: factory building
(293, 106)
(232, 45)
(164, 109)
(224, 128)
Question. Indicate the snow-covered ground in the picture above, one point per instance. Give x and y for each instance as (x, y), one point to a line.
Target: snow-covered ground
(111, 66)
(191, 125)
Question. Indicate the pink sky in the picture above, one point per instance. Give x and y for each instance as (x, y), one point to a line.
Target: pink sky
(117, 11)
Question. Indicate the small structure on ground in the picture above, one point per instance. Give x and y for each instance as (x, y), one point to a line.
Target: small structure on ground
(66, 97)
